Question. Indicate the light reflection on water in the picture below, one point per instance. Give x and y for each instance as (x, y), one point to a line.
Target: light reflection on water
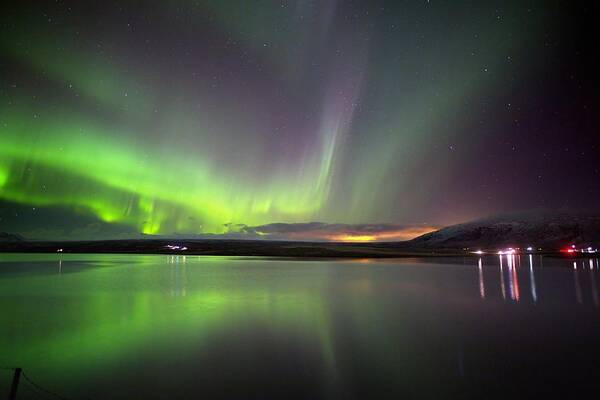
(509, 267)
(106, 326)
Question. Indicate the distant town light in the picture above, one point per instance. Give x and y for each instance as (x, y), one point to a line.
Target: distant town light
(176, 247)
(588, 250)
(508, 251)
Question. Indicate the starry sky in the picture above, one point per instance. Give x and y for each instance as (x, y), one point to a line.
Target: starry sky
(217, 117)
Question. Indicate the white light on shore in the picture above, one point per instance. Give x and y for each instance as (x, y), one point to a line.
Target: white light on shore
(176, 247)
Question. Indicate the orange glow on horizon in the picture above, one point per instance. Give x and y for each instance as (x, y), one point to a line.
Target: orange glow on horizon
(352, 238)
(402, 234)
(355, 235)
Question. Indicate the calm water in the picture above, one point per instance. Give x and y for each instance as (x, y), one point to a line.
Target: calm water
(144, 327)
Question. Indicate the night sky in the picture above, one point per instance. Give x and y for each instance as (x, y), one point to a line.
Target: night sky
(214, 117)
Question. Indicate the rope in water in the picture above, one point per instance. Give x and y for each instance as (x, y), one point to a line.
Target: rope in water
(35, 385)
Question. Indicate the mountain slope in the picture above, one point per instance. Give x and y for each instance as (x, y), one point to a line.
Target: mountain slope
(539, 229)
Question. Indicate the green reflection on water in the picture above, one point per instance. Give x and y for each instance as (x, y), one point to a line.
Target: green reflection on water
(126, 326)
(67, 317)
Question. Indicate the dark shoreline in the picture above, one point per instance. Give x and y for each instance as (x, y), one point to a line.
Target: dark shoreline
(217, 247)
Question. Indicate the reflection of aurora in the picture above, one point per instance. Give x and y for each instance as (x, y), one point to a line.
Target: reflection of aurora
(72, 317)
(101, 320)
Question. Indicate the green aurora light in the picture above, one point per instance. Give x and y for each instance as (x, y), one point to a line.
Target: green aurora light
(98, 123)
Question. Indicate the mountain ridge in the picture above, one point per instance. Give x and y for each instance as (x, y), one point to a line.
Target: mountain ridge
(553, 230)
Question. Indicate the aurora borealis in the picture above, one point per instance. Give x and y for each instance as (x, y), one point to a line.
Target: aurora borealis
(197, 117)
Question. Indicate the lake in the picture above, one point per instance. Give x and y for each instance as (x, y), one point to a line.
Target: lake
(155, 326)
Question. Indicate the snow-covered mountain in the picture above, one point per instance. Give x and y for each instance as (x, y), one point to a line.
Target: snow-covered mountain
(549, 230)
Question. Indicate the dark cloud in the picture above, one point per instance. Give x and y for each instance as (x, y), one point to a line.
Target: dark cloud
(54, 223)
(336, 232)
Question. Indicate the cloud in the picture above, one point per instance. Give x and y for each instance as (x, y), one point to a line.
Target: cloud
(310, 231)
(319, 231)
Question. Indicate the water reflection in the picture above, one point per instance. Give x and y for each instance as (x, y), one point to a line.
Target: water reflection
(139, 327)
(481, 284)
(502, 285)
(532, 279)
(178, 275)
(511, 277)
(593, 283)
(577, 284)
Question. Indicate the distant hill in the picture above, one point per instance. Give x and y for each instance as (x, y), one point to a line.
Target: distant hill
(9, 237)
(549, 230)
